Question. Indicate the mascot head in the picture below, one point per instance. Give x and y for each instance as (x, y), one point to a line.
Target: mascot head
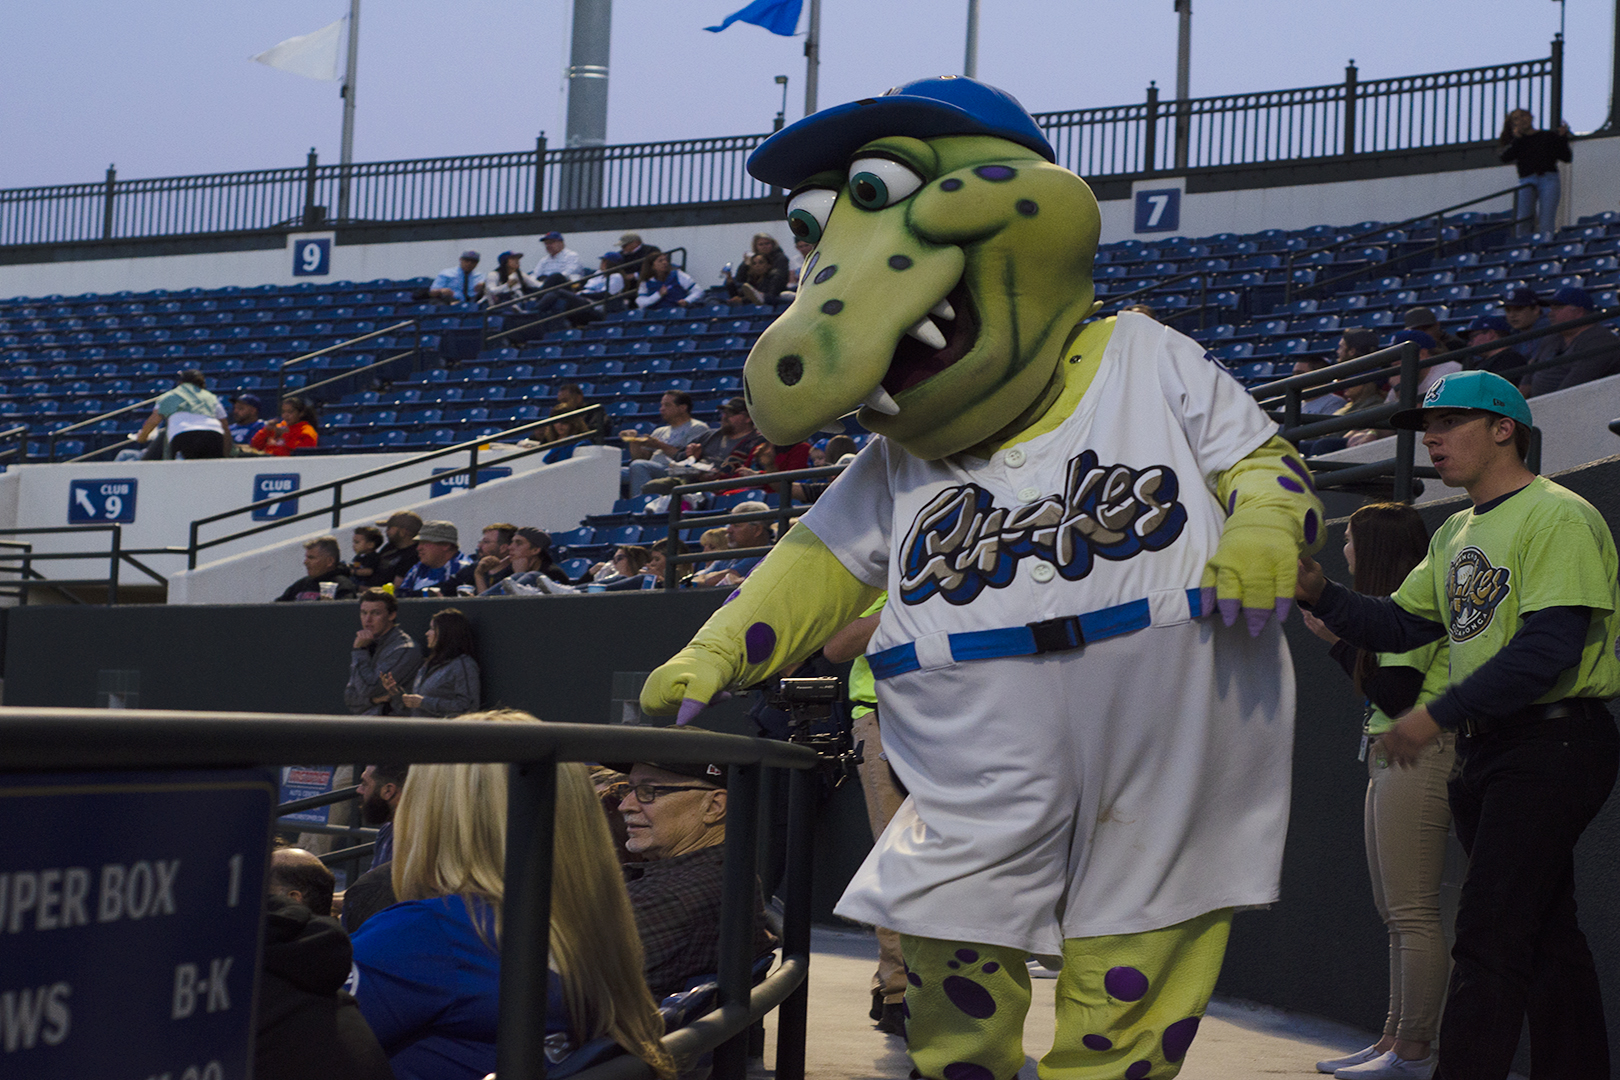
(952, 267)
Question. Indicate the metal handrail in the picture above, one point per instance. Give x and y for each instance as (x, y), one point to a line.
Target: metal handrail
(340, 504)
(784, 512)
(55, 739)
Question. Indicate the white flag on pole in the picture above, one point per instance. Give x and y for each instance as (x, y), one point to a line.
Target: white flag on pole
(314, 56)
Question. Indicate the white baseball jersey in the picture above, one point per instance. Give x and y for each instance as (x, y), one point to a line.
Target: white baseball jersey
(1126, 786)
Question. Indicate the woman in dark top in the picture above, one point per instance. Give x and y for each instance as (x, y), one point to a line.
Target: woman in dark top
(1407, 815)
(1536, 154)
(447, 682)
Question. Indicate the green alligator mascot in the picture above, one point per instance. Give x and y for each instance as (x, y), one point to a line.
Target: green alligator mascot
(1088, 533)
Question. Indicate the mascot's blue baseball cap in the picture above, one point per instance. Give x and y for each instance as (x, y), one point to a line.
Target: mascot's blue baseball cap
(1468, 390)
(925, 109)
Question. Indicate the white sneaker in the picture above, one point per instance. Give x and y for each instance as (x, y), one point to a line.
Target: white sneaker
(1358, 1058)
(1389, 1067)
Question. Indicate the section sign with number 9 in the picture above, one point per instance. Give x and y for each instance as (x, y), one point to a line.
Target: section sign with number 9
(101, 502)
(312, 258)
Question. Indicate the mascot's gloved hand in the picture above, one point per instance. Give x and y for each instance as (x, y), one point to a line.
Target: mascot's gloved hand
(1273, 515)
(793, 601)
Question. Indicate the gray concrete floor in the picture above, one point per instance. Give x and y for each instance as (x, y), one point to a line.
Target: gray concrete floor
(1236, 1039)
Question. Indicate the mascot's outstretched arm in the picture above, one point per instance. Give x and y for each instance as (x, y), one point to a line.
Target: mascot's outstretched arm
(1273, 515)
(793, 601)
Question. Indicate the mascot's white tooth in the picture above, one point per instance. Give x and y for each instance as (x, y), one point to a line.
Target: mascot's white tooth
(880, 401)
(944, 310)
(926, 332)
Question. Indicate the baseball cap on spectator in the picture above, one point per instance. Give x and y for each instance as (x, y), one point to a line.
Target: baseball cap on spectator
(403, 517)
(1521, 297)
(537, 538)
(613, 256)
(1361, 341)
(734, 405)
(1419, 317)
(470, 254)
(1571, 296)
(752, 506)
(439, 532)
(629, 238)
(1490, 322)
(1467, 390)
(1423, 341)
(553, 235)
(251, 399)
(711, 773)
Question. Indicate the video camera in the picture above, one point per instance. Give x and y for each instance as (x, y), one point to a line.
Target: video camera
(810, 704)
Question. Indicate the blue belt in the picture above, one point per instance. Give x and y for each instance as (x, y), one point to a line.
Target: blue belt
(1032, 639)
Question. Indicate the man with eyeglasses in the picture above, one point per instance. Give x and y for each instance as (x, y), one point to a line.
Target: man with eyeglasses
(675, 814)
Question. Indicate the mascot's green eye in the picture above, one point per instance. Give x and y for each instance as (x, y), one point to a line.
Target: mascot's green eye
(876, 182)
(808, 212)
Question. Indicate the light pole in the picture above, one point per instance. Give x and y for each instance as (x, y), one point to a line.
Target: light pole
(970, 64)
(781, 116)
(1183, 77)
(812, 56)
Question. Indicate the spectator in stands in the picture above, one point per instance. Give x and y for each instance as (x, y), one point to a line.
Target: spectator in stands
(380, 648)
(652, 455)
(801, 252)
(607, 286)
(193, 421)
(399, 554)
(1536, 155)
(1356, 342)
(1142, 309)
(1501, 360)
(300, 877)
(716, 542)
(758, 283)
(662, 285)
(1424, 320)
(1360, 397)
(323, 566)
(1317, 402)
(1598, 345)
(626, 563)
(717, 454)
(633, 256)
(366, 566)
(770, 458)
(739, 535)
(1524, 310)
(570, 398)
(294, 431)
(489, 555)
(657, 563)
(429, 967)
(840, 450)
(447, 683)
(1428, 348)
(245, 422)
(529, 559)
(508, 282)
(379, 788)
(307, 1027)
(459, 283)
(765, 246)
(675, 814)
(561, 265)
(438, 554)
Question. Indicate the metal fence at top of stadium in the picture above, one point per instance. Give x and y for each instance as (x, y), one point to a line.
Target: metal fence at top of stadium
(1343, 119)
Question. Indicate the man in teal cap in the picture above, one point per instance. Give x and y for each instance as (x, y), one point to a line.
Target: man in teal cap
(1524, 584)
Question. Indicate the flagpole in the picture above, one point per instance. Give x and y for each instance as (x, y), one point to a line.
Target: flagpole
(346, 155)
(812, 56)
(970, 64)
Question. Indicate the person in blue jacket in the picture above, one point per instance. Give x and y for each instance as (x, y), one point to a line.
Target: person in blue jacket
(427, 970)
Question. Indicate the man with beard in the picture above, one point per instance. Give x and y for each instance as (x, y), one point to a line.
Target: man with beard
(379, 790)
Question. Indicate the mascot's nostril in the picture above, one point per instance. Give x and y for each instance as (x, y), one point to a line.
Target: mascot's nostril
(790, 369)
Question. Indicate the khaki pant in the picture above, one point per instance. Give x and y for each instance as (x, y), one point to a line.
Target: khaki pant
(1408, 818)
(883, 798)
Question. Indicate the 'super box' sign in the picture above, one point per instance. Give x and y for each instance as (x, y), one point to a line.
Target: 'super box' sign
(130, 913)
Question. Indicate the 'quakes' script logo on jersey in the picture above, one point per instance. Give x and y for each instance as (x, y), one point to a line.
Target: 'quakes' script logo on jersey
(1473, 589)
(963, 543)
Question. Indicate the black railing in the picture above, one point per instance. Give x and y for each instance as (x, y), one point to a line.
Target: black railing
(1352, 117)
(37, 740)
(341, 502)
(782, 514)
(20, 558)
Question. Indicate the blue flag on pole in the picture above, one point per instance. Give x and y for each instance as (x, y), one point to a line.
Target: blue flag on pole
(777, 16)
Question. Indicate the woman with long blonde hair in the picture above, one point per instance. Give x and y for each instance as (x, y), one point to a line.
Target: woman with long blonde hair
(429, 967)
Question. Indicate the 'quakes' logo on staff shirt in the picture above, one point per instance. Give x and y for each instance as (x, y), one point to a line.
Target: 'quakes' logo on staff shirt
(962, 543)
(1473, 589)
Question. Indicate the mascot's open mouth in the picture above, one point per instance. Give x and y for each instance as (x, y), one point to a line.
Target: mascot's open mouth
(941, 338)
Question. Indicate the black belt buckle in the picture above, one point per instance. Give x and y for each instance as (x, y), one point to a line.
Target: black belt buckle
(1057, 635)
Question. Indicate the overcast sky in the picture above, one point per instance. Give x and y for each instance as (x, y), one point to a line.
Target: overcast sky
(165, 87)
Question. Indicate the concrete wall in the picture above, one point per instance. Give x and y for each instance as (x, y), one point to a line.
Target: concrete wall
(1574, 427)
(169, 495)
(1273, 197)
(554, 497)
